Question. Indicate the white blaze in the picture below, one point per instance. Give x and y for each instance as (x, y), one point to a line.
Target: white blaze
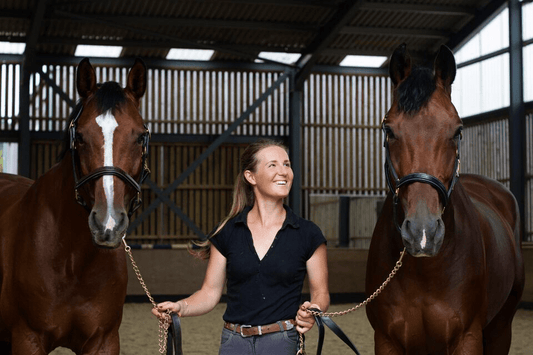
(424, 239)
(108, 123)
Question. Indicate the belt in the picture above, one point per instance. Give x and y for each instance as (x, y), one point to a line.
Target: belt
(248, 330)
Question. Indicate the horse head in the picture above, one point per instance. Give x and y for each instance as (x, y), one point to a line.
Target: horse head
(108, 143)
(422, 134)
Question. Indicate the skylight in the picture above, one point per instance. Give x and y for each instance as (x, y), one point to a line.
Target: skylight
(83, 50)
(190, 54)
(282, 57)
(366, 61)
(12, 47)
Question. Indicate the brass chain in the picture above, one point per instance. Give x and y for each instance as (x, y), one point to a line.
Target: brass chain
(301, 350)
(163, 323)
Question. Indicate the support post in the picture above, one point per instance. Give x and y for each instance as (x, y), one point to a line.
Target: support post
(517, 123)
(344, 221)
(24, 142)
(295, 144)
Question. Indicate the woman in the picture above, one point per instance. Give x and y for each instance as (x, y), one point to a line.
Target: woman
(263, 251)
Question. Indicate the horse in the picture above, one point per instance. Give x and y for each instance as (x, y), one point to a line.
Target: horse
(462, 276)
(62, 276)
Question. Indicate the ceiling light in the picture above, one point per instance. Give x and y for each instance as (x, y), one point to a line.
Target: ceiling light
(190, 54)
(83, 50)
(12, 47)
(366, 61)
(282, 57)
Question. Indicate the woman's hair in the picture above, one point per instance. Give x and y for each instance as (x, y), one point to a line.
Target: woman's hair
(243, 194)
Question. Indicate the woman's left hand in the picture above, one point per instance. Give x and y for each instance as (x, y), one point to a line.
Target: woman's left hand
(305, 320)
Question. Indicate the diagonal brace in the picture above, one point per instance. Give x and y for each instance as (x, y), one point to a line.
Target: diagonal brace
(165, 199)
(221, 139)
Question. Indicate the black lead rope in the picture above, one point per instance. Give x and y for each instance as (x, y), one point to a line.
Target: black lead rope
(323, 320)
(174, 336)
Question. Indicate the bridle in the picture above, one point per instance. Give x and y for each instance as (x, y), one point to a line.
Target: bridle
(394, 182)
(136, 201)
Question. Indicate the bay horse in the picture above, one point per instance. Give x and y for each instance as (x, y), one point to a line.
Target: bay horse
(62, 276)
(463, 275)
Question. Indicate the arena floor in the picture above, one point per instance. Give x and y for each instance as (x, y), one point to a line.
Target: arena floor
(139, 332)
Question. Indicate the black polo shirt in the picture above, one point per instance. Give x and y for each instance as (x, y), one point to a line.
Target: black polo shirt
(265, 291)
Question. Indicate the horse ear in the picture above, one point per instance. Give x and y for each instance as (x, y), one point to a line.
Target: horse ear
(137, 79)
(445, 68)
(400, 64)
(86, 79)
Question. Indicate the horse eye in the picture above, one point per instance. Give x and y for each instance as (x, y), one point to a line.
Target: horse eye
(458, 133)
(140, 140)
(388, 132)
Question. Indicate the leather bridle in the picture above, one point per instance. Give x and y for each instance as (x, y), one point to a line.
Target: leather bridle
(108, 170)
(394, 182)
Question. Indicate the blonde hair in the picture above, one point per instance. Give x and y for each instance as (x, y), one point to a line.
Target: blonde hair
(243, 193)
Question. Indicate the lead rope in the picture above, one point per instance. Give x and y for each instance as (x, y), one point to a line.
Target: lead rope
(301, 350)
(163, 324)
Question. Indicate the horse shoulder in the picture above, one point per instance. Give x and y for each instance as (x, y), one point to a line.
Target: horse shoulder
(494, 195)
(500, 224)
(12, 188)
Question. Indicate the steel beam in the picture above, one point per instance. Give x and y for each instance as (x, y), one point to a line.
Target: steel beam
(517, 121)
(28, 65)
(295, 144)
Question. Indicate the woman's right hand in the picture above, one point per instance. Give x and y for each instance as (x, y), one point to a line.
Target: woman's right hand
(162, 309)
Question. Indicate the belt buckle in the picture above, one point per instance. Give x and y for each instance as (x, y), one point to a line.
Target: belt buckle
(245, 326)
(289, 325)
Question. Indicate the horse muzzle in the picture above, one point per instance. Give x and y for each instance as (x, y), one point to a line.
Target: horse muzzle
(423, 237)
(108, 229)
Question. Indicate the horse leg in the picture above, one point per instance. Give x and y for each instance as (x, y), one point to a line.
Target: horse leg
(108, 344)
(383, 345)
(25, 341)
(497, 334)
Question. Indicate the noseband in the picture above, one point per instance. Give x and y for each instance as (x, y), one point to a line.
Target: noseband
(108, 170)
(394, 183)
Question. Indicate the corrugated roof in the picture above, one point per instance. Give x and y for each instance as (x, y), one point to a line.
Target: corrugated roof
(239, 29)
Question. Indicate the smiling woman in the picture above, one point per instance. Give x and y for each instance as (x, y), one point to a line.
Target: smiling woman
(263, 251)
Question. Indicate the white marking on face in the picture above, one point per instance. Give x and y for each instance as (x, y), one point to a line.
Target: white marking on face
(424, 239)
(108, 123)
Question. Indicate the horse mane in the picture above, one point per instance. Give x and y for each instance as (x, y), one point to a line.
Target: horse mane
(415, 91)
(109, 96)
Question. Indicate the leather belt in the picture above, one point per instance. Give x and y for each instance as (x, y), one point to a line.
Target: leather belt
(248, 330)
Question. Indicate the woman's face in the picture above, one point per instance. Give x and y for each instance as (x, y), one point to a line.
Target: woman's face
(273, 173)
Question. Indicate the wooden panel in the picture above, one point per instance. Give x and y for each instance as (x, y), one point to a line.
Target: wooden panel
(341, 137)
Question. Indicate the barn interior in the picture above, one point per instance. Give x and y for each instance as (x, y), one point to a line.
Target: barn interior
(203, 112)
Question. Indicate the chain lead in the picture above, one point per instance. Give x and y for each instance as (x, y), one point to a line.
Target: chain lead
(301, 350)
(163, 323)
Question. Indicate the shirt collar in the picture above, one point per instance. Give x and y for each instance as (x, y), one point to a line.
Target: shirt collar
(290, 219)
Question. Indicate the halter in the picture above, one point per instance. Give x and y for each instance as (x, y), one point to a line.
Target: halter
(136, 201)
(390, 174)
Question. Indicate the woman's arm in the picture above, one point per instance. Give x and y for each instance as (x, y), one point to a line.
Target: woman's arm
(205, 299)
(317, 271)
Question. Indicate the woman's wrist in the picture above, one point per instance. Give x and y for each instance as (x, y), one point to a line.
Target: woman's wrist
(184, 308)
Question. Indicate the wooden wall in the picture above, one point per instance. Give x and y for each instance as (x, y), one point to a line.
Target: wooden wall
(341, 152)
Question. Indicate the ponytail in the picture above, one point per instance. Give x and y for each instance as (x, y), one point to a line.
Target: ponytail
(243, 194)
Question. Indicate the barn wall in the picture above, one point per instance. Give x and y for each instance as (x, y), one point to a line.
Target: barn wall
(342, 150)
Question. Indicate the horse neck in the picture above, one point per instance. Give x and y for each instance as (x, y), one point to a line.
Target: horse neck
(54, 193)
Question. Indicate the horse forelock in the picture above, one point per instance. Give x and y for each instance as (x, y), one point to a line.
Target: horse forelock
(108, 96)
(415, 91)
